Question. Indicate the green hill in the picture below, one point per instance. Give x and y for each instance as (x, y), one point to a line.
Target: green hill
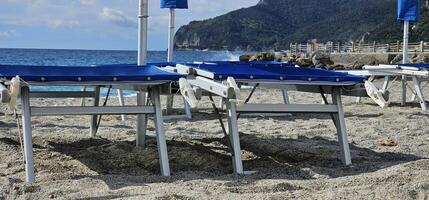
(273, 24)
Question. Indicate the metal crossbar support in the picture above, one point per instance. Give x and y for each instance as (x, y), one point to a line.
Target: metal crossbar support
(90, 110)
(78, 94)
(287, 108)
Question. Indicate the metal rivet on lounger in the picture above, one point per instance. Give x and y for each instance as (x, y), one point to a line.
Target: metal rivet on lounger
(220, 76)
(310, 79)
(115, 79)
(79, 78)
(338, 79)
(149, 78)
(251, 77)
(43, 78)
(281, 77)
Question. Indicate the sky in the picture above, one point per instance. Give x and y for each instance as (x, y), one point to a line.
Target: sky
(96, 24)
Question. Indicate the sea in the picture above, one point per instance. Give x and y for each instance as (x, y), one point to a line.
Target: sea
(64, 57)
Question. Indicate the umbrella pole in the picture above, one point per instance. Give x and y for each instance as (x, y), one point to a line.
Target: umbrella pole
(170, 54)
(170, 57)
(405, 61)
(142, 44)
(143, 24)
(142, 60)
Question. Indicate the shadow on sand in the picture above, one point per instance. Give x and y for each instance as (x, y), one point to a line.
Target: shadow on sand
(121, 164)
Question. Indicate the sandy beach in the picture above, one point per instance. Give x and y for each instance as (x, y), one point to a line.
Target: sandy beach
(292, 156)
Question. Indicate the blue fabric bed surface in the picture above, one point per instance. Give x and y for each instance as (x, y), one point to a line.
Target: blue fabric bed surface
(158, 64)
(273, 71)
(117, 73)
(418, 65)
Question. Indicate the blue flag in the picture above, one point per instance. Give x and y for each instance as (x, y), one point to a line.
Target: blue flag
(408, 10)
(179, 4)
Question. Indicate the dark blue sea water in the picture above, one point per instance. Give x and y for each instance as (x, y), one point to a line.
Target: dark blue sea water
(99, 57)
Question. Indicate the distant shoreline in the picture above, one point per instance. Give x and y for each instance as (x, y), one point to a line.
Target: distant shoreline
(53, 49)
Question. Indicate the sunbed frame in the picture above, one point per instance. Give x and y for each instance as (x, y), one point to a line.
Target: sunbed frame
(141, 110)
(144, 79)
(416, 74)
(204, 80)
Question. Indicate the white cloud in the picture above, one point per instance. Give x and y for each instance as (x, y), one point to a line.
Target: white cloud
(57, 23)
(8, 33)
(117, 17)
(88, 2)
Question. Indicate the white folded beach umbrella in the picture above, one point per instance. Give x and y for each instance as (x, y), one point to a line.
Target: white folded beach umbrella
(172, 5)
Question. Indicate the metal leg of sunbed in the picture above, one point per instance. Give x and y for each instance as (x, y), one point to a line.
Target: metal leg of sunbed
(28, 140)
(141, 121)
(419, 93)
(404, 90)
(94, 118)
(169, 108)
(122, 103)
(414, 97)
(187, 108)
(82, 101)
(160, 134)
(358, 99)
(341, 128)
(234, 136)
(285, 97)
(221, 103)
(169, 104)
(386, 83)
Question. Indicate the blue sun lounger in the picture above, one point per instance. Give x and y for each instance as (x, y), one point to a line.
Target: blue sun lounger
(150, 79)
(224, 78)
